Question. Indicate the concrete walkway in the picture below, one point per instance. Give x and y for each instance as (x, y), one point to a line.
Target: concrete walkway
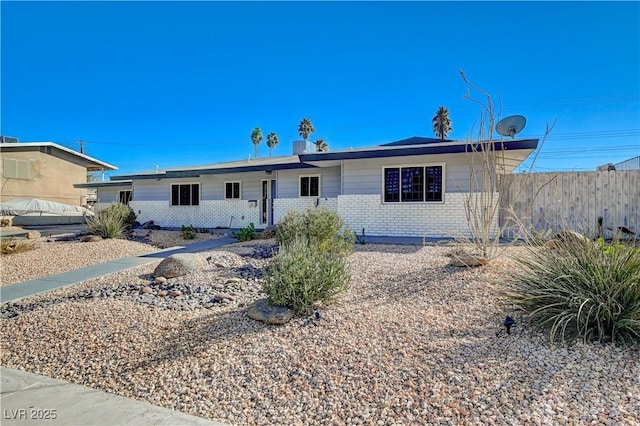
(14, 292)
(32, 399)
(26, 398)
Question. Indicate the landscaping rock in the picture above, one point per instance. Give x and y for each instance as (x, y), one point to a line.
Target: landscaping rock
(150, 225)
(32, 235)
(467, 260)
(178, 265)
(162, 293)
(263, 311)
(565, 236)
(218, 297)
(160, 280)
(175, 293)
(146, 290)
(91, 238)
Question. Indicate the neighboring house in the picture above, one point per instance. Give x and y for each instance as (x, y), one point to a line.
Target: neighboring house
(46, 171)
(413, 187)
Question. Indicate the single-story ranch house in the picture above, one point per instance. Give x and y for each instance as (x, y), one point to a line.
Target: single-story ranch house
(414, 187)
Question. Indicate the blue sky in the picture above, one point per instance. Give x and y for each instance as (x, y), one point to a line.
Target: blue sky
(184, 83)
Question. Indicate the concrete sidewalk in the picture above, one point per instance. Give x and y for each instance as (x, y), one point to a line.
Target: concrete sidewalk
(26, 398)
(32, 399)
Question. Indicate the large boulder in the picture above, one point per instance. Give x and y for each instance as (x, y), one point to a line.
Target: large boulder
(263, 311)
(178, 265)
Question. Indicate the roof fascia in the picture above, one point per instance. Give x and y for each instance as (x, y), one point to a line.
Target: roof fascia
(421, 150)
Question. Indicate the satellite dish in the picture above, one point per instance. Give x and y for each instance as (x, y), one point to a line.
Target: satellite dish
(512, 125)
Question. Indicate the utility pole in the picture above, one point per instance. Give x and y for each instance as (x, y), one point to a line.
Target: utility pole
(81, 147)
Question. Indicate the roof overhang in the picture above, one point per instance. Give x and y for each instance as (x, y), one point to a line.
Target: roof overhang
(171, 174)
(431, 149)
(92, 164)
(103, 184)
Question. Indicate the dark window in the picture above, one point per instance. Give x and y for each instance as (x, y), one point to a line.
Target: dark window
(433, 191)
(310, 186)
(125, 197)
(232, 190)
(392, 185)
(185, 195)
(412, 184)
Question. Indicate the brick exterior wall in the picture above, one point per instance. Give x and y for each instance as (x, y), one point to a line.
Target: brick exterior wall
(405, 219)
(358, 211)
(282, 205)
(209, 214)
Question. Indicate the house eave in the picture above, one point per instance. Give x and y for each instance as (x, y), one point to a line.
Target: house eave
(88, 185)
(458, 148)
(176, 174)
(92, 164)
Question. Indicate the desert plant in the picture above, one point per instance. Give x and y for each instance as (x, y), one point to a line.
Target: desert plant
(488, 162)
(302, 273)
(11, 245)
(107, 223)
(125, 212)
(319, 224)
(580, 289)
(188, 232)
(247, 233)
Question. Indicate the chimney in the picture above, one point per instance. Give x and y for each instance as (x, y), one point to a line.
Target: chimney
(302, 147)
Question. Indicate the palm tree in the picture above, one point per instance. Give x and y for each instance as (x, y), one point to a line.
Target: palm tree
(442, 123)
(321, 145)
(272, 141)
(256, 138)
(305, 128)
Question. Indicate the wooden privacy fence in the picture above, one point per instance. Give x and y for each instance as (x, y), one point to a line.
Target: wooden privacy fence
(575, 201)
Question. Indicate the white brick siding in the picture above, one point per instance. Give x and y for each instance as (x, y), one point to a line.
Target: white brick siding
(282, 205)
(209, 214)
(405, 219)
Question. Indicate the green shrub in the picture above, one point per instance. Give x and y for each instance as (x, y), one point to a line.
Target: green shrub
(247, 233)
(581, 289)
(188, 232)
(318, 224)
(125, 212)
(107, 223)
(302, 273)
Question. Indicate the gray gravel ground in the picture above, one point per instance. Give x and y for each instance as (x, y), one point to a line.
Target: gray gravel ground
(414, 341)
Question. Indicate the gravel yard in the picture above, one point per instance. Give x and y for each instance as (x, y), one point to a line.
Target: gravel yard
(414, 341)
(54, 255)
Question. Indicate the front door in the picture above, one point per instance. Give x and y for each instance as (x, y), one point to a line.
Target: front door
(266, 205)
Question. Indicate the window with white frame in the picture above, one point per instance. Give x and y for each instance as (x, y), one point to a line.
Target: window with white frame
(185, 194)
(16, 169)
(232, 190)
(310, 186)
(408, 184)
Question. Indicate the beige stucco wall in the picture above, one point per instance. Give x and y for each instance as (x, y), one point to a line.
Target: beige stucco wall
(51, 178)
